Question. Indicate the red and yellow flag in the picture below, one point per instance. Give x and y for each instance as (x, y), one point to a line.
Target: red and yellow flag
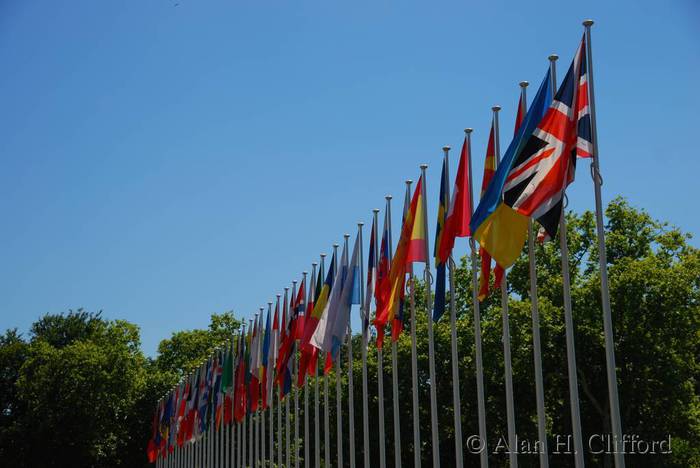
(411, 248)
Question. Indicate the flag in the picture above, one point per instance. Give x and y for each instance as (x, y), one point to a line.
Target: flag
(334, 325)
(322, 337)
(458, 215)
(227, 383)
(266, 358)
(383, 289)
(489, 170)
(300, 310)
(309, 354)
(440, 280)
(240, 392)
(255, 361)
(499, 229)
(274, 347)
(284, 371)
(371, 281)
(540, 173)
(408, 250)
(397, 322)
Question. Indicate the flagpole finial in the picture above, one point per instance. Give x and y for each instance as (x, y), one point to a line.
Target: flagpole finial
(313, 264)
(423, 166)
(279, 295)
(446, 148)
(588, 23)
(375, 210)
(468, 130)
(388, 197)
(553, 58)
(346, 235)
(360, 224)
(523, 84)
(294, 282)
(287, 287)
(335, 246)
(496, 108)
(269, 303)
(304, 273)
(323, 255)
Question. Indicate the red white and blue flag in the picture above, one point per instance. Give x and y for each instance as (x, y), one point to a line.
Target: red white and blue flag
(539, 175)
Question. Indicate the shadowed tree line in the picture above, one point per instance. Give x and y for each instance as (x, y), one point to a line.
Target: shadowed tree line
(76, 390)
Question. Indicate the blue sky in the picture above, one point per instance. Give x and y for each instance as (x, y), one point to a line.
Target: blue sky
(163, 160)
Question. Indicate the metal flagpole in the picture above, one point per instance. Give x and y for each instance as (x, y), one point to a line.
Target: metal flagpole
(394, 370)
(239, 445)
(258, 413)
(288, 422)
(510, 400)
(414, 359)
(263, 451)
(431, 343)
(338, 392)
(271, 392)
(534, 307)
(279, 395)
(568, 316)
(380, 381)
(317, 421)
(364, 313)
(326, 405)
(351, 383)
(456, 401)
(307, 439)
(603, 260)
(295, 388)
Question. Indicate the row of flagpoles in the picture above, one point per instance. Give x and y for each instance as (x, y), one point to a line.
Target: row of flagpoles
(233, 392)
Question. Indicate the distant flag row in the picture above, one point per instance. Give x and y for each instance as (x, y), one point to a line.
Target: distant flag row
(314, 320)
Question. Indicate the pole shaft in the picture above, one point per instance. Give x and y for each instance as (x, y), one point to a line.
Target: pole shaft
(568, 318)
(510, 403)
(417, 461)
(616, 421)
(431, 340)
(536, 343)
(456, 401)
(365, 316)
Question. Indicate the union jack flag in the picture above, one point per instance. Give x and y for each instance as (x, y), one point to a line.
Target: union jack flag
(536, 183)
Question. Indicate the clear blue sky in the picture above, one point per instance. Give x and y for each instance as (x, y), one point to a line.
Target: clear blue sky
(166, 159)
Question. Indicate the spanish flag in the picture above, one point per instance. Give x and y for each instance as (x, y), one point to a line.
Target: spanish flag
(411, 248)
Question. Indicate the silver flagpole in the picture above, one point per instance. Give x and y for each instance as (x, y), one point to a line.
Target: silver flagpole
(536, 345)
(288, 430)
(339, 393)
(380, 376)
(295, 388)
(307, 439)
(510, 399)
(431, 343)
(568, 316)
(364, 314)
(394, 370)
(239, 445)
(258, 413)
(613, 397)
(414, 359)
(271, 391)
(456, 401)
(279, 395)
(317, 420)
(326, 405)
(351, 383)
(263, 436)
